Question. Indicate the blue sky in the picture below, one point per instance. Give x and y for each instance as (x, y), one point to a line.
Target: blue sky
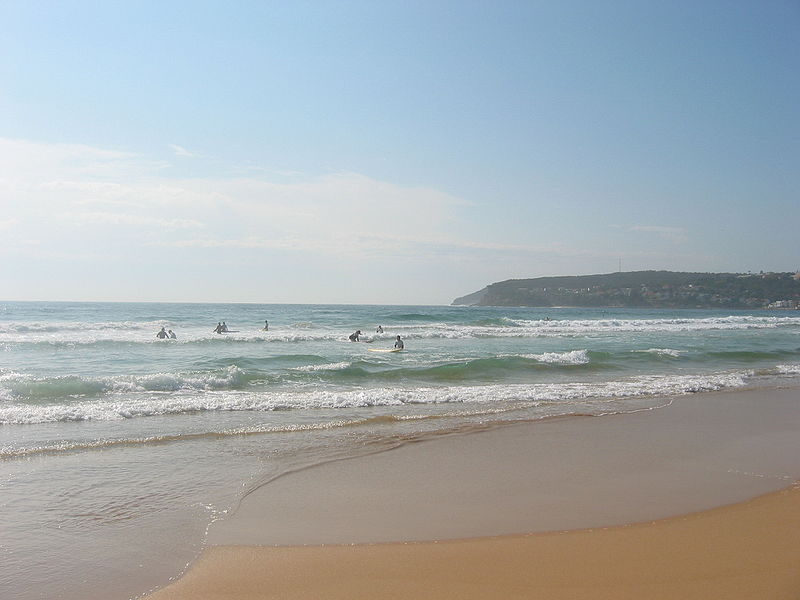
(390, 152)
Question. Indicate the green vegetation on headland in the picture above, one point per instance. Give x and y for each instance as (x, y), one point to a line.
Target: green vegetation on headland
(647, 289)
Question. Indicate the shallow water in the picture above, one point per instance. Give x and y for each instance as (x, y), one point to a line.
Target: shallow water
(118, 449)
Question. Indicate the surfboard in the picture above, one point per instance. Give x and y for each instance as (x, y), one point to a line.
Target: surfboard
(384, 349)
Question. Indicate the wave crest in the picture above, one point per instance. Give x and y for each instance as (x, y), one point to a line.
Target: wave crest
(144, 405)
(573, 357)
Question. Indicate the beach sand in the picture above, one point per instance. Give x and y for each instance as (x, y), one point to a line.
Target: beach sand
(581, 507)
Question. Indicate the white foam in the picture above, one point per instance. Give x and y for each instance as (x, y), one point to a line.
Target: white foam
(570, 396)
(574, 357)
(661, 352)
(326, 367)
(13, 384)
(659, 325)
(129, 331)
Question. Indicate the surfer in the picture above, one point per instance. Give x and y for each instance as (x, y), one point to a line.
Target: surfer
(379, 329)
(354, 336)
(218, 328)
(162, 335)
(399, 343)
(266, 325)
(224, 327)
(172, 335)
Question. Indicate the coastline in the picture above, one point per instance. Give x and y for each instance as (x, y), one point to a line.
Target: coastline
(622, 505)
(747, 551)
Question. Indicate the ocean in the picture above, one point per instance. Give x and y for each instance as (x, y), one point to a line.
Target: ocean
(118, 449)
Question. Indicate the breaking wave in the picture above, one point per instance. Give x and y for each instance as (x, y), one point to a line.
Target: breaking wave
(574, 357)
(128, 405)
(410, 326)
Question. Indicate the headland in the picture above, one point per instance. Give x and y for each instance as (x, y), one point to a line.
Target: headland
(645, 289)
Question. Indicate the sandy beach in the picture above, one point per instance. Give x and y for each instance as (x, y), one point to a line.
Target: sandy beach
(694, 500)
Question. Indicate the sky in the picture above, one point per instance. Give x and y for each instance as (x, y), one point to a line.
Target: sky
(390, 152)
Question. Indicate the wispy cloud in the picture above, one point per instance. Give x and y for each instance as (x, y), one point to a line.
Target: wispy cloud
(120, 199)
(181, 151)
(85, 206)
(33, 162)
(108, 218)
(343, 213)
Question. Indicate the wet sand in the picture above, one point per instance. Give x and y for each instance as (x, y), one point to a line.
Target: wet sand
(476, 493)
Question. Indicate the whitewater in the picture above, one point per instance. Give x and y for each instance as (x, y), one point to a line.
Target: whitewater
(107, 431)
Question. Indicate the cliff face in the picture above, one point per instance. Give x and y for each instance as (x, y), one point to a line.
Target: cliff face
(656, 289)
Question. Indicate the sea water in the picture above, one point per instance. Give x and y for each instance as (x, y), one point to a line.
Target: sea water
(118, 449)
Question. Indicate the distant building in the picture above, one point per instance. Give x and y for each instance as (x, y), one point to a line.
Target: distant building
(790, 304)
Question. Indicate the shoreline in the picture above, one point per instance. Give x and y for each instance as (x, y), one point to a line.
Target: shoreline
(711, 470)
(745, 551)
(700, 452)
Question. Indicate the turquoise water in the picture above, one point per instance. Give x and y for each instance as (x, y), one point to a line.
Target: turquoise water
(108, 433)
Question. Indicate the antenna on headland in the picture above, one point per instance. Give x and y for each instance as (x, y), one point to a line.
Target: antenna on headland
(620, 265)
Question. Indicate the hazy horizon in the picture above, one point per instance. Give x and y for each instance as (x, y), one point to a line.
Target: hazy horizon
(388, 153)
(323, 303)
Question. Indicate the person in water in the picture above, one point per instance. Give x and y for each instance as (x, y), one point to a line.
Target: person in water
(224, 327)
(162, 335)
(266, 325)
(172, 335)
(398, 343)
(218, 328)
(379, 329)
(354, 336)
